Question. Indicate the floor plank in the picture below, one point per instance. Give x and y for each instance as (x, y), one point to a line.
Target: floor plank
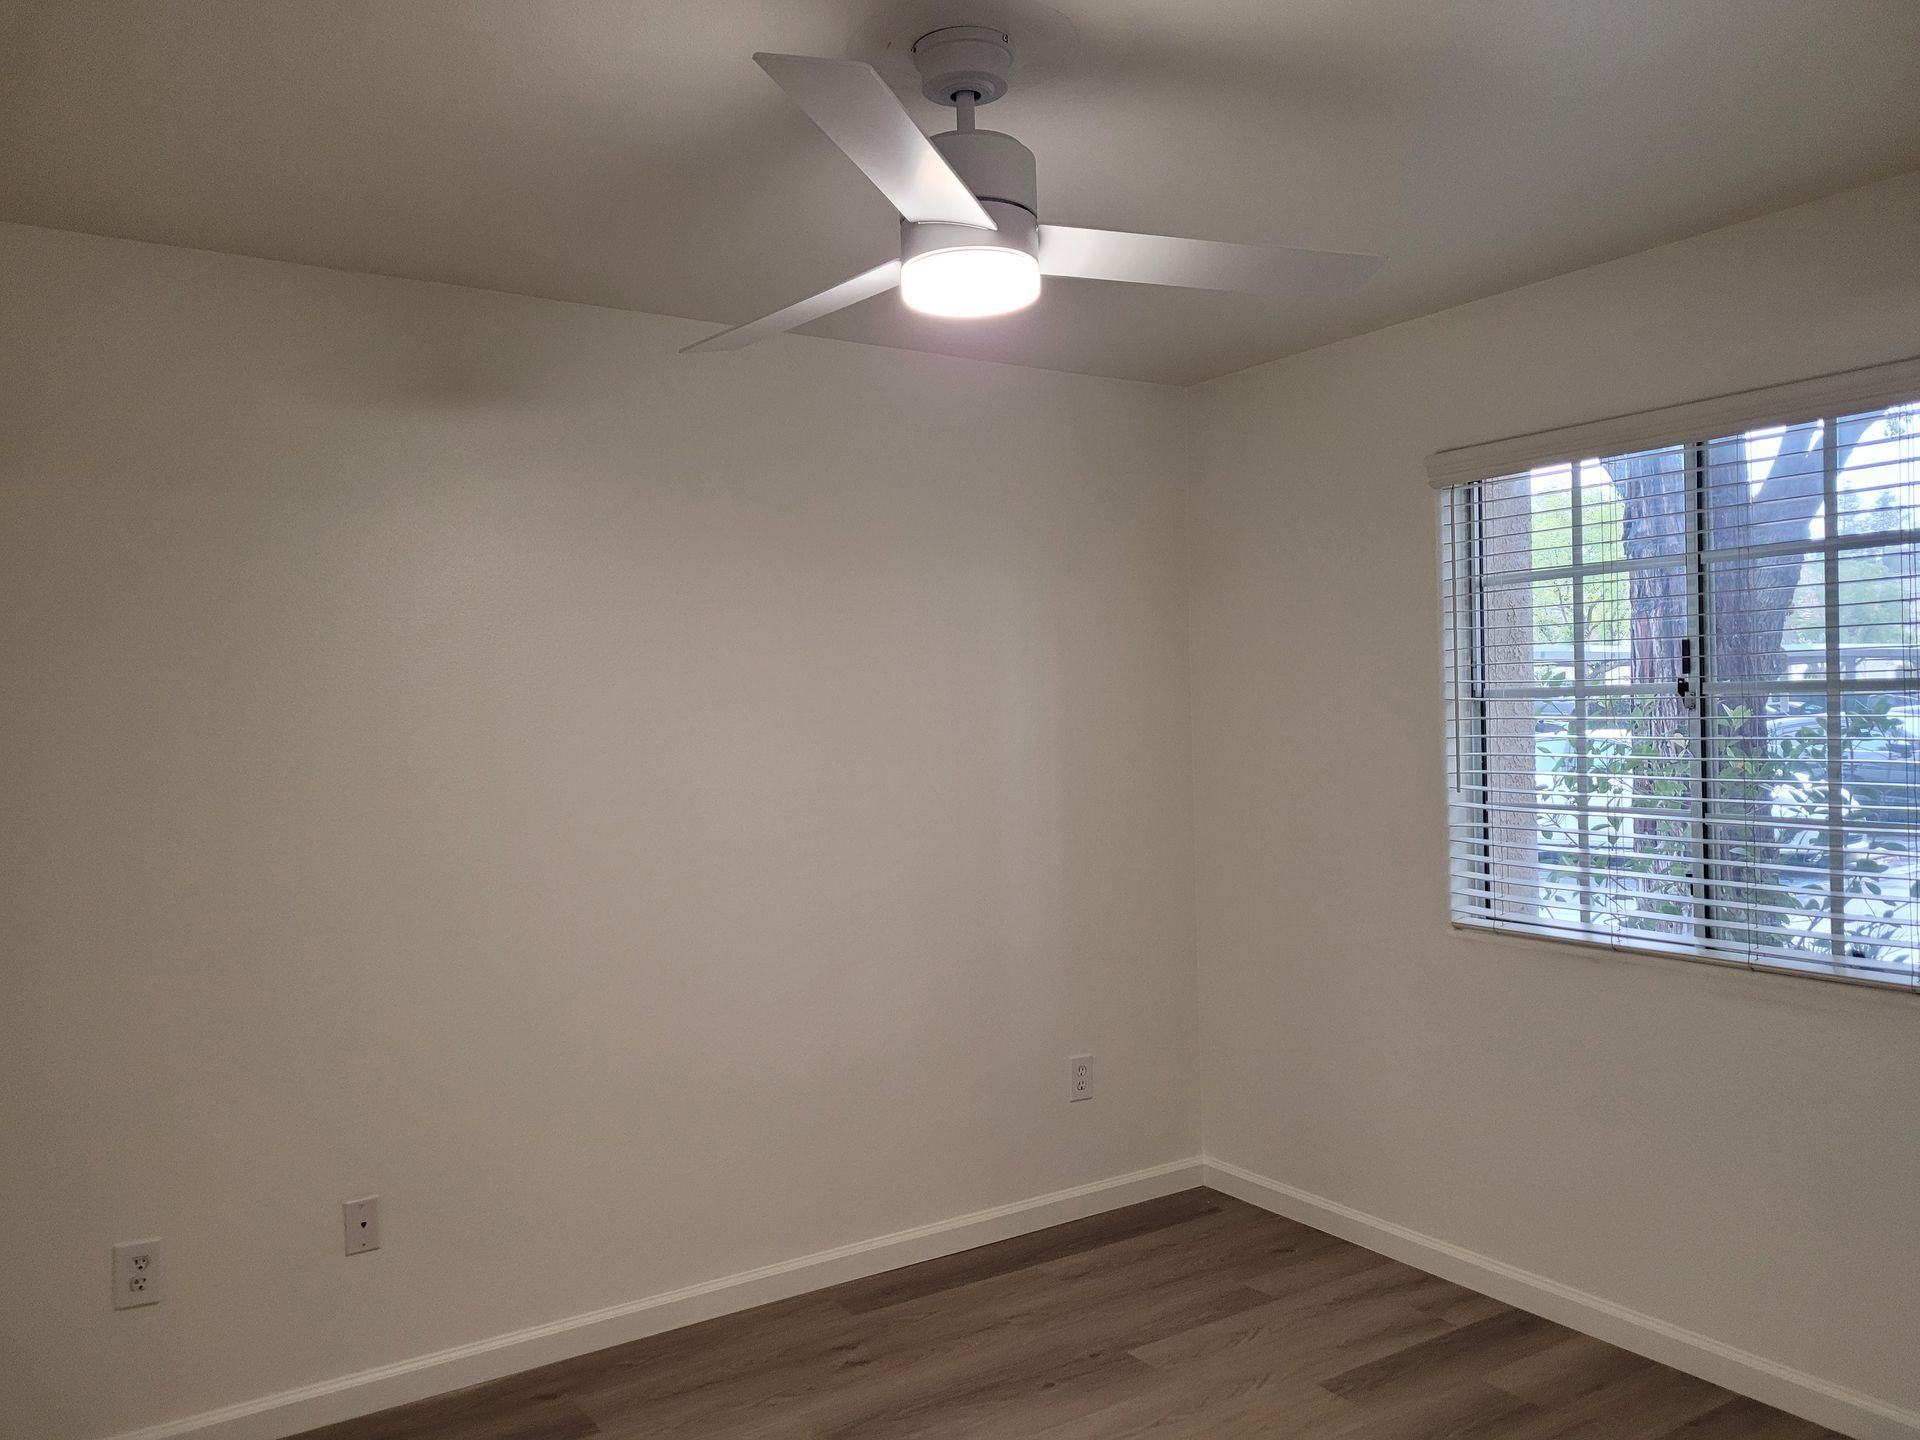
(1567, 1370)
(1744, 1419)
(1187, 1317)
(1470, 1352)
(1025, 1251)
(1473, 1411)
(473, 1414)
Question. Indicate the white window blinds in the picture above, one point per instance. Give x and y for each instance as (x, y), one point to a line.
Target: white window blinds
(1683, 694)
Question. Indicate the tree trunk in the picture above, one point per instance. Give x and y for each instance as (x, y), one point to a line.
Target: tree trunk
(1749, 601)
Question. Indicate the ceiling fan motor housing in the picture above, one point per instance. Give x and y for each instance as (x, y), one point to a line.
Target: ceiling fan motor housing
(993, 166)
(999, 170)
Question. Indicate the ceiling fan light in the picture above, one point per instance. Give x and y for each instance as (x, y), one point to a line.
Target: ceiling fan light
(969, 282)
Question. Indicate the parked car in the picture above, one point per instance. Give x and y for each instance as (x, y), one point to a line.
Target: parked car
(1880, 772)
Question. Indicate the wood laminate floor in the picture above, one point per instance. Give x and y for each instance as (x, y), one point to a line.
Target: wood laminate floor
(1195, 1315)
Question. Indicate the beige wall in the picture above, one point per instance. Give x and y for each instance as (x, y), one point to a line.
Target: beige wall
(650, 817)
(1736, 1154)
(646, 816)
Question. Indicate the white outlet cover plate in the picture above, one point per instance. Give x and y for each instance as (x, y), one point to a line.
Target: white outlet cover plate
(136, 1273)
(1079, 1077)
(361, 1221)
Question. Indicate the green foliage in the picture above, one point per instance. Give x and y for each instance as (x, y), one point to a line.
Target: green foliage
(1618, 789)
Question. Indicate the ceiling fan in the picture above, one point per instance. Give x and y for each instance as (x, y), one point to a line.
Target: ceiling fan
(971, 242)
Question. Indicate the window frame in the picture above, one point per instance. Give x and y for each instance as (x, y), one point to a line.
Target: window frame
(1470, 769)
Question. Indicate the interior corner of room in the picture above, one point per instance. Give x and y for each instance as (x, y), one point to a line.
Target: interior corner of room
(520, 840)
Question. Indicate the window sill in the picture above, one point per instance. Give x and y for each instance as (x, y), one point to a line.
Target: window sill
(1655, 951)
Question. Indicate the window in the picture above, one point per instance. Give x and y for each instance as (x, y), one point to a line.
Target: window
(1683, 695)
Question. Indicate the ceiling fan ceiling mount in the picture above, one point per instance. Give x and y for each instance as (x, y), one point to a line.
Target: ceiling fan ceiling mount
(1044, 45)
(963, 60)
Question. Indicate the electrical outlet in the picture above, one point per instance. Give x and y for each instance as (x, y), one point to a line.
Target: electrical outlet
(362, 1221)
(1079, 1077)
(136, 1273)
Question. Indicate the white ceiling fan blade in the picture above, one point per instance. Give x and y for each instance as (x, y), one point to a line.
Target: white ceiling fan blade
(852, 104)
(1198, 264)
(863, 286)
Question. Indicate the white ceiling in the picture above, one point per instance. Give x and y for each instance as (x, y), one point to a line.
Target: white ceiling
(628, 152)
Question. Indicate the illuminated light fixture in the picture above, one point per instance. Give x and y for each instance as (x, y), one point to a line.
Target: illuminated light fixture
(971, 281)
(967, 271)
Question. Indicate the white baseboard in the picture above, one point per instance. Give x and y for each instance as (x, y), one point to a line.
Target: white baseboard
(1821, 1401)
(273, 1417)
